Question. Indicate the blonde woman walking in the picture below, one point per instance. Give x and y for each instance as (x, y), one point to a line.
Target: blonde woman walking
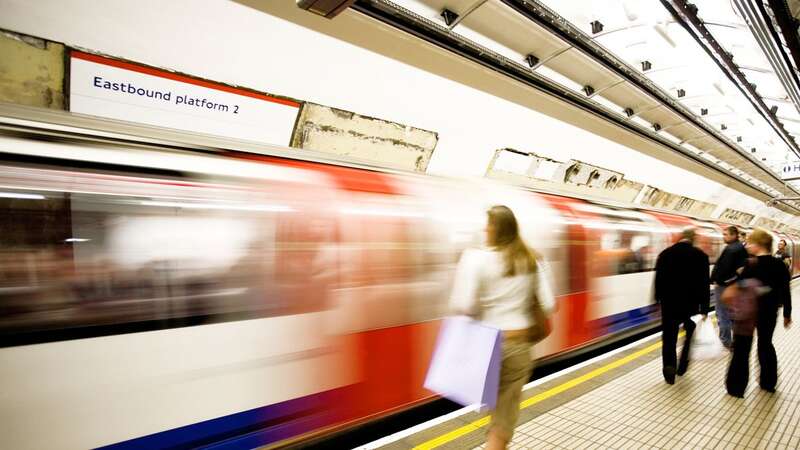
(498, 286)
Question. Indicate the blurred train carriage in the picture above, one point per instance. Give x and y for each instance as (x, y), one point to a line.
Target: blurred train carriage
(159, 298)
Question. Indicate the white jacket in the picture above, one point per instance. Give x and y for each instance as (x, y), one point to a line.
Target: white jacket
(482, 291)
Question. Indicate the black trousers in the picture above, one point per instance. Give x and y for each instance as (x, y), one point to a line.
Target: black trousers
(669, 339)
(739, 369)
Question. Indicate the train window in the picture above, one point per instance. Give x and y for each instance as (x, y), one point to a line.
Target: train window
(81, 264)
(625, 251)
(628, 242)
(709, 239)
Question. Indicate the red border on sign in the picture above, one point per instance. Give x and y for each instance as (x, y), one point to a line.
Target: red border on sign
(180, 78)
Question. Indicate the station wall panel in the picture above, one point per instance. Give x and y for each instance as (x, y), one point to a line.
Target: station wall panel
(31, 71)
(345, 133)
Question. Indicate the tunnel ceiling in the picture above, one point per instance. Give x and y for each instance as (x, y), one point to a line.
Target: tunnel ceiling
(720, 80)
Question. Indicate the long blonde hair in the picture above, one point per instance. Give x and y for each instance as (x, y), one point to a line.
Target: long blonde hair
(506, 239)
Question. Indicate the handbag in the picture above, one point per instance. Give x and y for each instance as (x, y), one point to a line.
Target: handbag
(541, 327)
(741, 299)
(541, 324)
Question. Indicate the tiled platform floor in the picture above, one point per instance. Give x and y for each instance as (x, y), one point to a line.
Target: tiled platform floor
(638, 410)
(630, 407)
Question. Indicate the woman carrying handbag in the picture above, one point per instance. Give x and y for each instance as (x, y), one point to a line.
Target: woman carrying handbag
(755, 300)
(506, 287)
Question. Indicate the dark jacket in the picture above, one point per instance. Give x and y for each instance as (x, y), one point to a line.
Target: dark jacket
(733, 257)
(772, 273)
(681, 284)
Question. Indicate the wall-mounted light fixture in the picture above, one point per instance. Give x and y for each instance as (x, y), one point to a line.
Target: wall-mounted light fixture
(448, 16)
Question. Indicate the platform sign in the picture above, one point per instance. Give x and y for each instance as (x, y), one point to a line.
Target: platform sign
(120, 90)
(791, 171)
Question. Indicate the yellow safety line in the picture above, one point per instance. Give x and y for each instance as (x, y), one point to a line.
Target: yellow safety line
(478, 424)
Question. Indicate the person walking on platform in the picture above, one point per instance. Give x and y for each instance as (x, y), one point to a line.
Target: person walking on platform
(726, 269)
(783, 254)
(771, 292)
(499, 286)
(681, 288)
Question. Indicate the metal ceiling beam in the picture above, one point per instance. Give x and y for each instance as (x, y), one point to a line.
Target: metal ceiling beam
(766, 32)
(783, 27)
(437, 34)
(686, 15)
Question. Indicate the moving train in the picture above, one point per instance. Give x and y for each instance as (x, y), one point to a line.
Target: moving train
(155, 297)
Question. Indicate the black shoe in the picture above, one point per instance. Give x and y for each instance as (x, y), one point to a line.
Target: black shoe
(737, 395)
(681, 370)
(669, 375)
(771, 390)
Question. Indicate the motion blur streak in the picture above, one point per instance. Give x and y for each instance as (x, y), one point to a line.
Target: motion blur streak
(251, 299)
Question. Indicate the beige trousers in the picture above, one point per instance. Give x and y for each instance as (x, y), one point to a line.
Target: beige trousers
(515, 371)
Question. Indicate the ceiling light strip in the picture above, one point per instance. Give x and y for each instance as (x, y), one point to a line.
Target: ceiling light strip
(771, 44)
(685, 16)
(550, 20)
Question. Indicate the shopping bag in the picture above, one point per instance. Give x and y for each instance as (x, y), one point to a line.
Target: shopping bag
(705, 341)
(465, 366)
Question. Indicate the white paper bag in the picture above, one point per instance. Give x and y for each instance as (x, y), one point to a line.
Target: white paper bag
(466, 362)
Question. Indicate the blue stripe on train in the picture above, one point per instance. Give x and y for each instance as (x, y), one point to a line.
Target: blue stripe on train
(627, 319)
(247, 429)
(633, 317)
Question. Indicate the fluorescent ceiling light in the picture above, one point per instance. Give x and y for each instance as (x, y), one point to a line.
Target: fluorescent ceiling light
(558, 78)
(77, 240)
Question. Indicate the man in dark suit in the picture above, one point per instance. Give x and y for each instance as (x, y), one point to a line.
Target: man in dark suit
(682, 290)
